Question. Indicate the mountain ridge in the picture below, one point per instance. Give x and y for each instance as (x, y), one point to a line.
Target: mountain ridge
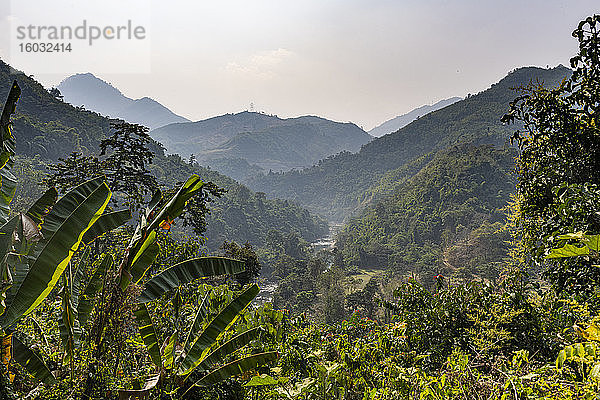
(100, 96)
(459, 193)
(336, 186)
(266, 141)
(47, 129)
(392, 125)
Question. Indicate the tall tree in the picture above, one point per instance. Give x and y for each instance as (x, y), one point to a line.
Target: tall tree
(196, 209)
(123, 161)
(72, 171)
(559, 167)
(246, 254)
(126, 163)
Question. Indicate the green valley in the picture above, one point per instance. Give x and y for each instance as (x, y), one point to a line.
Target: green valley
(335, 187)
(453, 254)
(460, 191)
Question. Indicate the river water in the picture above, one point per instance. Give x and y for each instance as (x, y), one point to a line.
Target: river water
(267, 287)
(327, 242)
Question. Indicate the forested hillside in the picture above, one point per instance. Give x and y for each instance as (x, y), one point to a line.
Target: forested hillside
(265, 141)
(412, 231)
(241, 215)
(47, 128)
(336, 186)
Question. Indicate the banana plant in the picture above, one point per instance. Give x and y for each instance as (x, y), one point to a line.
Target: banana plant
(37, 246)
(143, 248)
(34, 364)
(78, 293)
(39, 256)
(8, 182)
(201, 348)
(141, 253)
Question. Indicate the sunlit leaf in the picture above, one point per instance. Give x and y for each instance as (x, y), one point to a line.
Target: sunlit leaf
(236, 368)
(188, 271)
(569, 250)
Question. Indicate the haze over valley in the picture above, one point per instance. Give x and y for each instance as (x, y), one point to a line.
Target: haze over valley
(366, 200)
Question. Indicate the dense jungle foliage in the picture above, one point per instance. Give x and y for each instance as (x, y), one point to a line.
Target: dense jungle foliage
(455, 200)
(98, 303)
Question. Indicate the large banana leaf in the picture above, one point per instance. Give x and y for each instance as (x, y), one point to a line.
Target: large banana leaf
(86, 299)
(237, 367)
(6, 235)
(8, 182)
(17, 256)
(62, 230)
(7, 140)
(217, 327)
(146, 328)
(66, 205)
(144, 257)
(229, 347)
(106, 223)
(19, 269)
(34, 217)
(31, 362)
(154, 218)
(6, 275)
(153, 204)
(169, 351)
(186, 272)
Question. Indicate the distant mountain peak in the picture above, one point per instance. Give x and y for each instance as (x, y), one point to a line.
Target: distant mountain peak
(88, 77)
(401, 121)
(98, 95)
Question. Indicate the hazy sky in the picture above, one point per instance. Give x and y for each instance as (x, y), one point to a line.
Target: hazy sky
(360, 61)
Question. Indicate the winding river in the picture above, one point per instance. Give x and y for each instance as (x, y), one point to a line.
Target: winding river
(267, 287)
